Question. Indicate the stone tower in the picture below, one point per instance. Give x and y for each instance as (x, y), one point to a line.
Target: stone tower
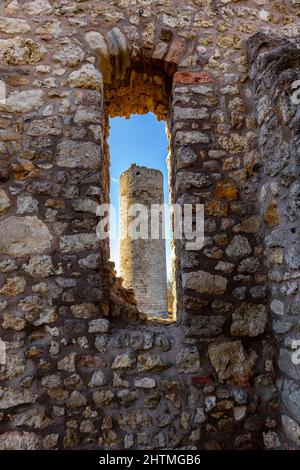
(143, 262)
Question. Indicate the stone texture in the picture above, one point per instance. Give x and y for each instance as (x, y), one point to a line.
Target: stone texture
(70, 154)
(20, 236)
(249, 320)
(232, 363)
(204, 282)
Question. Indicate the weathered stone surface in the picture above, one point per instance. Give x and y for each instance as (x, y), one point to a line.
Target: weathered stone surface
(72, 154)
(85, 310)
(78, 242)
(204, 282)
(152, 362)
(123, 361)
(13, 286)
(70, 55)
(145, 382)
(15, 440)
(100, 325)
(86, 77)
(12, 322)
(238, 247)
(20, 236)
(39, 266)
(22, 101)
(67, 363)
(291, 428)
(10, 397)
(4, 202)
(98, 379)
(291, 396)
(12, 25)
(188, 360)
(38, 7)
(249, 320)
(231, 362)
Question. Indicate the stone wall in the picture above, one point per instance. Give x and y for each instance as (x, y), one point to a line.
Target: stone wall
(143, 261)
(84, 369)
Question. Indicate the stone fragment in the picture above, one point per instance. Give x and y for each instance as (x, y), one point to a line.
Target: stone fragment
(185, 157)
(291, 428)
(69, 55)
(124, 361)
(27, 205)
(78, 242)
(101, 325)
(39, 266)
(249, 225)
(145, 382)
(277, 307)
(10, 397)
(12, 322)
(73, 154)
(20, 236)
(13, 286)
(118, 49)
(97, 42)
(231, 362)
(76, 400)
(50, 440)
(13, 25)
(103, 398)
(291, 398)
(38, 7)
(20, 51)
(85, 310)
(15, 440)
(238, 247)
(86, 77)
(204, 282)
(98, 379)
(22, 101)
(4, 202)
(152, 362)
(67, 363)
(249, 320)
(188, 360)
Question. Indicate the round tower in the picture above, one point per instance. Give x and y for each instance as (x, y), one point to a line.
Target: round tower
(143, 261)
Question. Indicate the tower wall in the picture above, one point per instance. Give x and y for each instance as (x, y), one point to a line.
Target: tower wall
(143, 261)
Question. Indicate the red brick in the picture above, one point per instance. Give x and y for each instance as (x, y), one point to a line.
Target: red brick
(203, 379)
(193, 78)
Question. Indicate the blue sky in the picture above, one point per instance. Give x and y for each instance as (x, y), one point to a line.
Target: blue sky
(142, 140)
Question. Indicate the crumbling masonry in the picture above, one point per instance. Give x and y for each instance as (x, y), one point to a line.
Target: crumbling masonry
(84, 368)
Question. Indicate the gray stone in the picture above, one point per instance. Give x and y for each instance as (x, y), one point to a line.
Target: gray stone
(145, 382)
(70, 55)
(124, 361)
(98, 379)
(288, 365)
(249, 320)
(72, 154)
(291, 428)
(39, 266)
(238, 247)
(277, 307)
(188, 360)
(15, 440)
(78, 242)
(204, 282)
(291, 398)
(101, 325)
(38, 7)
(10, 397)
(27, 205)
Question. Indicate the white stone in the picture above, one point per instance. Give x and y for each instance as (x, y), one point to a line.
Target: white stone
(98, 379)
(27, 205)
(101, 325)
(277, 307)
(22, 101)
(13, 25)
(78, 242)
(70, 55)
(39, 266)
(145, 382)
(38, 7)
(204, 282)
(20, 236)
(86, 77)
